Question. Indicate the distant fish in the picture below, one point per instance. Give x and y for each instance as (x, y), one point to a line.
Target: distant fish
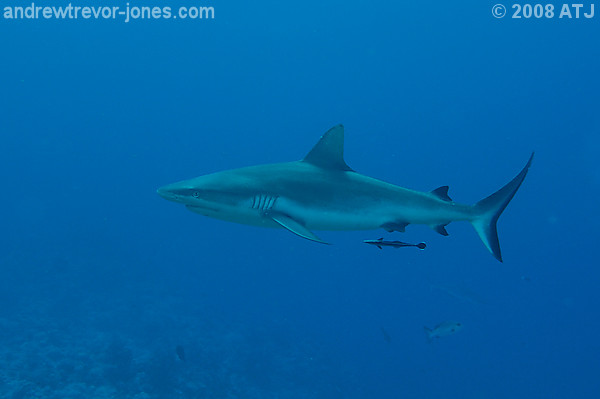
(526, 279)
(443, 330)
(461, 292)
(380, 243)
(386, 336)
(180, 352)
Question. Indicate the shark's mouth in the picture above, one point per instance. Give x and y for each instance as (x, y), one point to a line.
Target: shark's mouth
(200, 209)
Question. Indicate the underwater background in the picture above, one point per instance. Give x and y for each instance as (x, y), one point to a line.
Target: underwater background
(109, 291)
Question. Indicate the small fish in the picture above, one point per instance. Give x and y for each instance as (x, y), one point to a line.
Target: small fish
(443, 330)
(380, 243)
(180, 352)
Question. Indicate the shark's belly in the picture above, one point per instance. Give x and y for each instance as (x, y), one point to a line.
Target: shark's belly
(257, 211)
(330, 217)
(371, 216)
(331, 221)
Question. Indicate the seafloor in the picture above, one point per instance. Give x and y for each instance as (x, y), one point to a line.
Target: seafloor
(75, 327)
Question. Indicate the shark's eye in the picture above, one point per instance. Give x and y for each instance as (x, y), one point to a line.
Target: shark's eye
(196, 194)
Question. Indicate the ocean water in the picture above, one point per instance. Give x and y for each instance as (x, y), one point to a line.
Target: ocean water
(109, 291)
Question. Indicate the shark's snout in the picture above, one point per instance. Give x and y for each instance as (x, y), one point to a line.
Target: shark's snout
(168, 192)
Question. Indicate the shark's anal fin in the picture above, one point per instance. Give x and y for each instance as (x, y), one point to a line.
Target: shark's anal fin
(442, 193)
(394, 226)
(294, 226)
(441, 228)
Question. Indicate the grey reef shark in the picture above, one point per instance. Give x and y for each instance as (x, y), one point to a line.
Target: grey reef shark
(321, 192)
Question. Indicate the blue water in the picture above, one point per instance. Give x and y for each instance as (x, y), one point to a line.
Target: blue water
(101, 279)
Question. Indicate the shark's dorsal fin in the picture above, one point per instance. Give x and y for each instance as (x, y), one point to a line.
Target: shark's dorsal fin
(328, 153)
(442, 193)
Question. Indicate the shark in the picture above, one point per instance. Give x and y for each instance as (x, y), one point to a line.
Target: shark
(322, 193)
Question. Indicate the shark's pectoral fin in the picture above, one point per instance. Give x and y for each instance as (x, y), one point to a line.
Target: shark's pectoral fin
(394, 226)
(294, 226)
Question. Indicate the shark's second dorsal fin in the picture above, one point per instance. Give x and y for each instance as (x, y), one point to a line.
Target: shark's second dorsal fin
(442, 193)
(328, 153)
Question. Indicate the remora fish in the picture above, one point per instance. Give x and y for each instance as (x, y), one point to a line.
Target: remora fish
(321, 192)
(443, 330)
(380, 243)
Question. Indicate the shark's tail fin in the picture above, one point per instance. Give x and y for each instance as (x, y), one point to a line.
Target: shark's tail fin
(489, 209)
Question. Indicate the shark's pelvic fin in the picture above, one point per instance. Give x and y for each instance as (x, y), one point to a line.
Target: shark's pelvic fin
(294, 226)
(328, 153)
(442, 193)
(489, 209)
(395, 226)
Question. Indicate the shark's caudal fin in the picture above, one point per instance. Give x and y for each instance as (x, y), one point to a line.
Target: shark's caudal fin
(489, 209)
